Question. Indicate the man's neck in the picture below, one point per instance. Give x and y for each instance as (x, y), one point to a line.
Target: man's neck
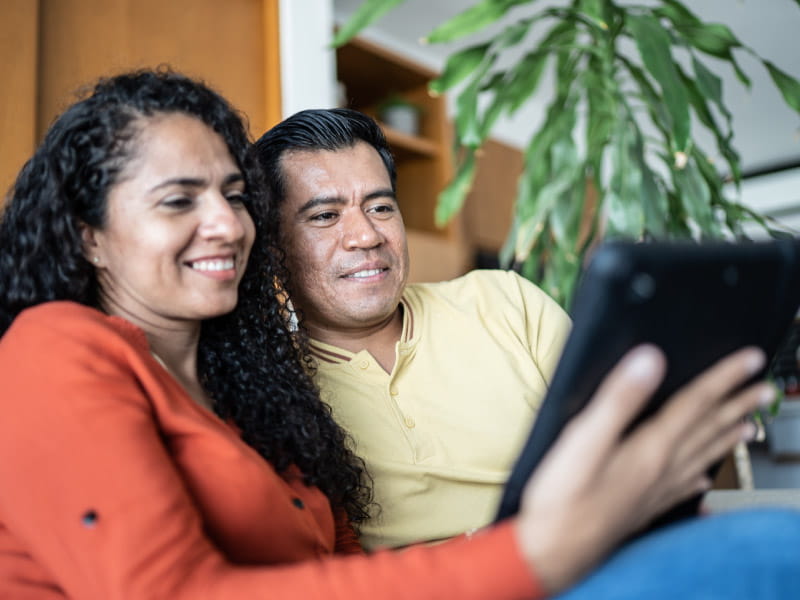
(379, 340)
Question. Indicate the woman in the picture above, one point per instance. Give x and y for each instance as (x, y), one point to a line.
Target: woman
(161, 438)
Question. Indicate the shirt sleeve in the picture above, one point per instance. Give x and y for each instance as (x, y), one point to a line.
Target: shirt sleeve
(346, 538)
(546, 323)
(88, 487)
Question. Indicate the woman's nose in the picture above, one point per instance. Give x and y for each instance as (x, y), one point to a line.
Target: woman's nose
(222, 220)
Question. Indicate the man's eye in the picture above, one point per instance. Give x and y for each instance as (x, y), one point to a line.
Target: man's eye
(382, 208)
(324, 216)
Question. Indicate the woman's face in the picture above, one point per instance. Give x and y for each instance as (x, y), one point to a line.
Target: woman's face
(177, 235)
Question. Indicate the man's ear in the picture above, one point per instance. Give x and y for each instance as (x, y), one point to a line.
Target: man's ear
(92, 250)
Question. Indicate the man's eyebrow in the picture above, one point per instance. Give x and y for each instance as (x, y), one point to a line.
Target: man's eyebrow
(319, 201)
(338, 201)
(381, 193)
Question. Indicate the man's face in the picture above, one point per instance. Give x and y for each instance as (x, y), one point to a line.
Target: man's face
(344, 239)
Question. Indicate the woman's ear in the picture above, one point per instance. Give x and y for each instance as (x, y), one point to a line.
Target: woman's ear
(91, 247)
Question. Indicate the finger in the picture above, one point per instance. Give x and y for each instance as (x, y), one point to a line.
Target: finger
(709, 388)
(699, 484)
(720, 447)
(731, 413)
(622, 395)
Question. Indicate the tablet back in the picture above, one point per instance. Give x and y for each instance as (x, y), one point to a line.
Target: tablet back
(697, 302)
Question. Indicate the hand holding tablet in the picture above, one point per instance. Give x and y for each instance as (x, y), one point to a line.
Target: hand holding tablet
(697, 303)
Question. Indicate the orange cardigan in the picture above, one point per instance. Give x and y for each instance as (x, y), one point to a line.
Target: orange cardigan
(114, 483)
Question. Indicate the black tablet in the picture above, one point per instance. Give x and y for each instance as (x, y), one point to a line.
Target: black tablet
(697, 302)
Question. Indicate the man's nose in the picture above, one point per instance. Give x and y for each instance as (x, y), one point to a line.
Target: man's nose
(360, 231)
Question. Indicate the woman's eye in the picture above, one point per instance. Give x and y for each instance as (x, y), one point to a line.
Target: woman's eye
(177, 202)
(236, 197)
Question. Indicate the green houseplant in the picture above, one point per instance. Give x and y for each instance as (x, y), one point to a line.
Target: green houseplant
(631, 89)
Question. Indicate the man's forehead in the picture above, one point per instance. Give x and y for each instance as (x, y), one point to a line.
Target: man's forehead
(312, 171)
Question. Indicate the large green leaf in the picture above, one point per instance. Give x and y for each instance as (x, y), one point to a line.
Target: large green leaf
(469, 130)
(507, 87)
(677, 223)
(601, 106)
(593, 8)
(715, 183)
(655, 208)
(506, 254)
(526, 74)
(542, 194)
(558, 124)
(565, 218)
(654, 47)
(458, 67)
(496, 107)
(524, 79)
(451, 199)
(532, 267)
(560, 272)
(513, 34)
(788, 86)
(710, 86)
(698, 102)
(677, 13)
(528, 234)
(471, 20)
(623, 207)
(712, 38)
(656, 108)
(367, 13)
(696, 198)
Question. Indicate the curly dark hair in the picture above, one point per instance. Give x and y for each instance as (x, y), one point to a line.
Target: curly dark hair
(249, 361)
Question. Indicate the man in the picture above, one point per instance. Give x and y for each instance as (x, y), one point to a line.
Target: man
(437, 383)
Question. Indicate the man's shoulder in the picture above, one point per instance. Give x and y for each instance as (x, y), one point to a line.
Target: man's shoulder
(480, 282)
(481, 294)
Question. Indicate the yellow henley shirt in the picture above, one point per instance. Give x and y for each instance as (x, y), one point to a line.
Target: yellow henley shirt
(440, 432)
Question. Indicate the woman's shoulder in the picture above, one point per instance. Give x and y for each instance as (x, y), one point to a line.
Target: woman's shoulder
(70, 323)
(58, 310)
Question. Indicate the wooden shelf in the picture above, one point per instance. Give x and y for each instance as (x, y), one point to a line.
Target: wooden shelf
(404, 144)
(371, 74)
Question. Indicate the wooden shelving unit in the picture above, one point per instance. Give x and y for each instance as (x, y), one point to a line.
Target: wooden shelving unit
(370, 74)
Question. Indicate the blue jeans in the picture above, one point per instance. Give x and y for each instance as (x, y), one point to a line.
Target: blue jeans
(740, 555)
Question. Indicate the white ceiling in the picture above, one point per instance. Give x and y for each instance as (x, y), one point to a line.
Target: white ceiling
(767, 133)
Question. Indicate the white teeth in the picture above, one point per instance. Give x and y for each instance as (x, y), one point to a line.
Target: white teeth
(213, 265)
(366, 273)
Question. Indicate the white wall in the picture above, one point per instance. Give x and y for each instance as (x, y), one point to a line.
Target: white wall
(308, 70)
